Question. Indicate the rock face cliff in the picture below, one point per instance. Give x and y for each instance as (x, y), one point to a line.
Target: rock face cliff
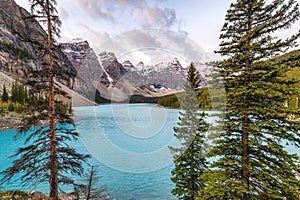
(111, 65)
(105, 77)
(20, 44)
(170, 74)
(21, 40)
(89, 73)
(96, 77)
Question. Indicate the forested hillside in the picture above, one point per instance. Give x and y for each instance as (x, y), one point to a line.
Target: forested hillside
(204, 99)
(294, 74)
(173, 101)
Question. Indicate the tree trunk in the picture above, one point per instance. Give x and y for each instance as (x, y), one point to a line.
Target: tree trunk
(192, 170)
(245, 158)
(245, 120)
(90, 184)
(53, 141)
(192, 155)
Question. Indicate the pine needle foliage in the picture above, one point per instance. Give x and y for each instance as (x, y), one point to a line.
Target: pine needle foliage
(251, 160)
(47, 155)
(189, 159)
(4, 96)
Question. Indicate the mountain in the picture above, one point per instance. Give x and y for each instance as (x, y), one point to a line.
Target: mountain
(169, 74)
(20, 47)
(104, 77)
(111, 65)
(18, 41)
(96, 77)
(89, 72)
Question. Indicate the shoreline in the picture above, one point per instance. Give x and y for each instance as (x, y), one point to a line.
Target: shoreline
(11, 120)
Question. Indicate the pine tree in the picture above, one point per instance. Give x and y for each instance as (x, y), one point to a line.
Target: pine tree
(189, 158)
(251, 161)
(19, 92)
(47, 155)
(46, 9)
(4, 97)
(14, 92)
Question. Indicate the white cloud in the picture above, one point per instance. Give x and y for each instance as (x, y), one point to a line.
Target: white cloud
(64, 15)
(148, 16)
(97, 36)
(155, 45)
(137, 13)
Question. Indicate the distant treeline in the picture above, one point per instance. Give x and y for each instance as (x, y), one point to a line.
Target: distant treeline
(203, 96)
(20, 98)
(17, 100)
(132, 99)
(171, 101)
(142, 99)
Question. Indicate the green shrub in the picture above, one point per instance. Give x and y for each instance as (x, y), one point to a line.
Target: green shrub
(10, 106)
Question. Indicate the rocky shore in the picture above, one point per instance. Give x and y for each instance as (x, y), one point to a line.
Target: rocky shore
(10, 120)
(33, 195)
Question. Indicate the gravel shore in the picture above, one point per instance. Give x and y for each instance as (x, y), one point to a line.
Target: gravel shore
(10, 120)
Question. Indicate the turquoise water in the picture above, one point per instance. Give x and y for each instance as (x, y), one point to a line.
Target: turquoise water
(121, 138)
(128, 144)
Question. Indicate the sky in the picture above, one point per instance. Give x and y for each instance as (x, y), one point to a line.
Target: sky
(136, 27)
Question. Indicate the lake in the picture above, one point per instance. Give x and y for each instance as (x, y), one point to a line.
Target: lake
(129, 147)
(128, 143)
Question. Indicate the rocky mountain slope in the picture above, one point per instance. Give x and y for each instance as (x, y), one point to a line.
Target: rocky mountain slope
(95, 77)
(105, 77)
(88, 69)
(20, 42)
(20, 48)
(170, 74)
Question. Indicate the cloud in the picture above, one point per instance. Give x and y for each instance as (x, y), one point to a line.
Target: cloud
(148, 16)
(96, 37)
(130, 12)
(152, 40)
(97, 8)
(63, 13)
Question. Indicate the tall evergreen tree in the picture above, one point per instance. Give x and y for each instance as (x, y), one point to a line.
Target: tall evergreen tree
(189, 159)
(14, 91)
(18, 92)
(53, 23)
(4, 97)
(47, 156)
(251, 161)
